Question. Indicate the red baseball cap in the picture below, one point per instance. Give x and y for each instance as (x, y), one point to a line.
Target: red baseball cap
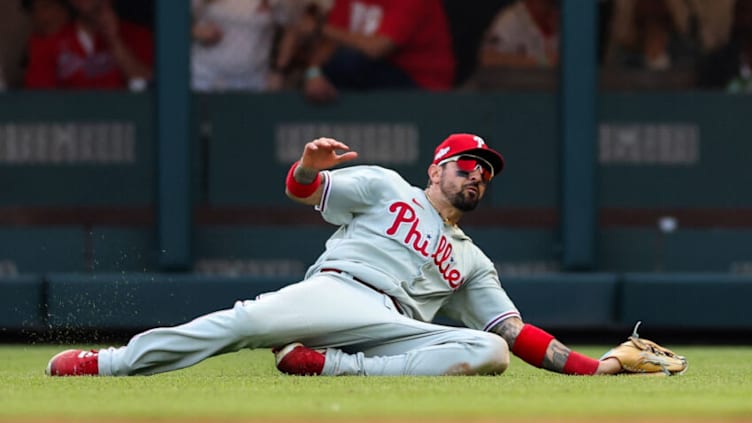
(458, 144)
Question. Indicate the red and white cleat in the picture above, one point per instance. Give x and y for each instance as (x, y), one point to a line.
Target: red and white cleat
(73, 363)
(297, 359)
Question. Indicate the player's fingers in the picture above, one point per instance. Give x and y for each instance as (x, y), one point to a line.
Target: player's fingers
(323, 142)
(321, 153)
(311, 146)
(330, 144)
(339, 145)
(350, 155)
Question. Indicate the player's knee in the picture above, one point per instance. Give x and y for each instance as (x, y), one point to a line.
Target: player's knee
(495, 355)
(498, 355)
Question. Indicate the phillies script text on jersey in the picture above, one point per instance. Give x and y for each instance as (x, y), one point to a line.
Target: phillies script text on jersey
(405, 214)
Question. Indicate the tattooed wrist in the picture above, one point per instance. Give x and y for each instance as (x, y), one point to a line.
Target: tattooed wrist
(305, 175)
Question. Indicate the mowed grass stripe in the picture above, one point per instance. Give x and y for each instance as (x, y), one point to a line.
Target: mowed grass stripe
(245, 385)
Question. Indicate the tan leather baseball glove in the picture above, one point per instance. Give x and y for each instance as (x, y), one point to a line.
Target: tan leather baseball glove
(638, 355)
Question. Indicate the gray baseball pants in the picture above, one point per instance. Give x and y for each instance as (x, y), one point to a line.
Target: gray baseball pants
(361, 329)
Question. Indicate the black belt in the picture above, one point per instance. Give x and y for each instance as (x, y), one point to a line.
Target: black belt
(362, 282)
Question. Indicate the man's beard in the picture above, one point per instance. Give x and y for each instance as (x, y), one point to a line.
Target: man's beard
(460, 200)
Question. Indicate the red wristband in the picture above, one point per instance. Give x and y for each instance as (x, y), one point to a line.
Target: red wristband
(531, 344)
(578, 364)
(296, 188)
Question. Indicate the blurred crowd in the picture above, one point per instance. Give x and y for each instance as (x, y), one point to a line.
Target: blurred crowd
(323, 47)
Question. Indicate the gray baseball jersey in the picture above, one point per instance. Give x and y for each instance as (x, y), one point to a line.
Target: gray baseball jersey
(393, 238)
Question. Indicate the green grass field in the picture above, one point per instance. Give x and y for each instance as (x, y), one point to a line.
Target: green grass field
(245, 386)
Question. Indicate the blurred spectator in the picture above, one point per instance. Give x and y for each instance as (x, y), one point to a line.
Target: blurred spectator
(14, 30)
(730, 67)
(708, 23)
(140, 12)
(295, 52)
(371, 44)
(654, 41)
(233, 41)
(468, 26)
(524, 34)
(47, 16)
(98, 50)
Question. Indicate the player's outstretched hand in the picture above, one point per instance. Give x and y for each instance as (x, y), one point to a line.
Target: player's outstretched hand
(321, 154)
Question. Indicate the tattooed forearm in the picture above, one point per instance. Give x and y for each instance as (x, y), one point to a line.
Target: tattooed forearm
(508, 329)
(556, 356)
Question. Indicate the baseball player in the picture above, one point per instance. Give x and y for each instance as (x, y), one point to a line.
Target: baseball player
(365, 306)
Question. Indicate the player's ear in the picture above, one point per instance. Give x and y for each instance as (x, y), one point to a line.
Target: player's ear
(434, 173)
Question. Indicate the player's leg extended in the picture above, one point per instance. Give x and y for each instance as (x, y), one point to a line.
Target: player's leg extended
(272, 320)
(324, 311)
(170, 348)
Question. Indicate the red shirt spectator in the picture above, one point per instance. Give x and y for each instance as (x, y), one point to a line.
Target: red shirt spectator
(77, 58)
(418, 28)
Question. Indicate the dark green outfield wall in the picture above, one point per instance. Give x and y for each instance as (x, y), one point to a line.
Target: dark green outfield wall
(79, 231)
(129, 302)
(79, 174)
